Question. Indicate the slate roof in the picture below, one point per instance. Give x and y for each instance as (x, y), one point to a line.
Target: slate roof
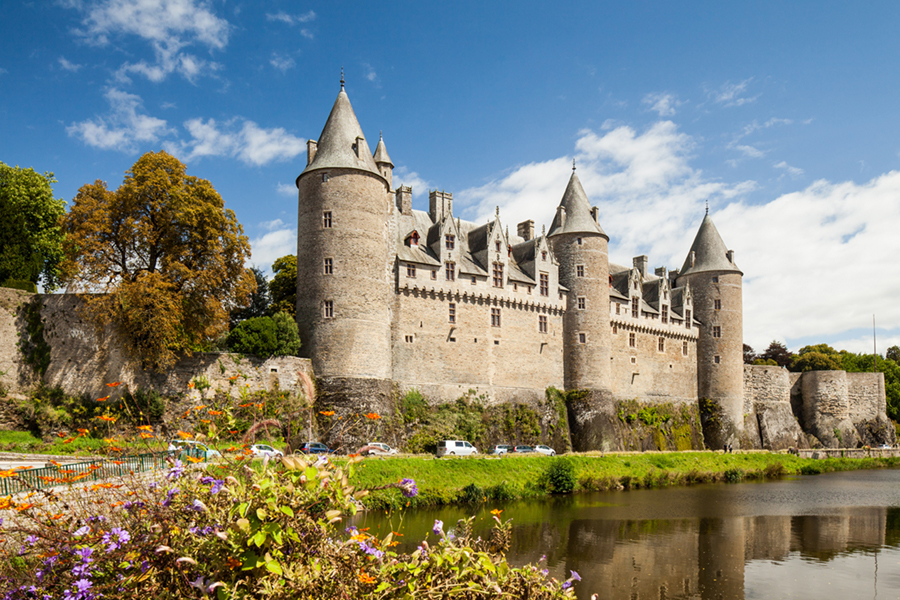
(381, 155)
(578, 217)
(335, 147)
(709, 252)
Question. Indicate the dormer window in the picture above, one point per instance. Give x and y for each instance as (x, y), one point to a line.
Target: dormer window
(544, 255)
(414, 239)
(498, 245)
(665, 314)
(449, 241)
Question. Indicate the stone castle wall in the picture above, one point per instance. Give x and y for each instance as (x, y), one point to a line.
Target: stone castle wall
(765, 383)
(866, 395)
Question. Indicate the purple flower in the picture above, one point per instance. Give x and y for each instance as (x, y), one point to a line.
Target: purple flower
(83, 585)
(169, 495)
(215, 484)
(566, 585)
(176, 471)
(575, 576)
(82, 531)
(84, 554)
(438, 528)
(408, 488)
(133, 505)
(31, 540)
(115, 539)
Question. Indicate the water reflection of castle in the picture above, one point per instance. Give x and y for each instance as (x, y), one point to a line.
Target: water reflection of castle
(695, 558)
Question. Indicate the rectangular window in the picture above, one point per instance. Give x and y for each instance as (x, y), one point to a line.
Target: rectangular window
(615, 329)
(581, 303)
(715, 279)
(632, 340)
(545, 284)
(618, 308)
(665, 314)
(716, 359)
(495, 317)
(635, 307)
(542, 324)
(408, 339)
(717, 331)
(579, 270)
(717, 304)
(529, 289)
(449, 242)
(578, 241)
(684, 348)
(473, 280)
(324, 177)
(582, 338)
(450, 270)
(544, 255)
(515, 287)
(328, 309)
(326, 219)
(661, 346)
(329, 266)
(498, 275)
(687, 319)
(451, 312)
(410, 270)
(497, 245)
(434, 274)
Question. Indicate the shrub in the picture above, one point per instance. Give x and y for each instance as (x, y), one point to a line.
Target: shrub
(266, 336)
(413, 406)
(560, 476)
(472, 494)
(734, 475)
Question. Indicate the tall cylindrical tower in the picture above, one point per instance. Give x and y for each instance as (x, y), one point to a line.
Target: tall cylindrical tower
(343, 279)
(581, 248)
(716, 284)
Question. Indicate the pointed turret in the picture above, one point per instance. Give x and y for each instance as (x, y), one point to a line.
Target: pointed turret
(342, 144)
(574, 214)
(708, 252)
(383, 161)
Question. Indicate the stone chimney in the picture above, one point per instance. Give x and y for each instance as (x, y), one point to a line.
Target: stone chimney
(440, 205)
(311, 147)
(660, 272)
(595, 214)
(525, 230)
(404, 200)
(730, 255)
(641, 263)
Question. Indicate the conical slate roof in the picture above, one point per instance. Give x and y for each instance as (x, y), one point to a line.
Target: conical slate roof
(578, 217)
(335, 147)
(710, 253)
(381, 155)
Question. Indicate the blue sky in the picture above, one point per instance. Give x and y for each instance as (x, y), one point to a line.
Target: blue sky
(782, 116)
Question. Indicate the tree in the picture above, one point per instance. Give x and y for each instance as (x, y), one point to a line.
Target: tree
(749, 354)
(284, 285)
(893, 353)
(168, 255)
(30, 230)
(266, 336)
(779, 353)
(815, 361)
(258, 305)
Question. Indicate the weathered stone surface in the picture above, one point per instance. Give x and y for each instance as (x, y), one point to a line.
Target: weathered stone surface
(778, 427)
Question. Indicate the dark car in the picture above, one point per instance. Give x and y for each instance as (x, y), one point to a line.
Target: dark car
(521, 449)
(314, 448)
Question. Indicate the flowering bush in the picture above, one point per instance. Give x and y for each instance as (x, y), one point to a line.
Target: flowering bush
(232, 530)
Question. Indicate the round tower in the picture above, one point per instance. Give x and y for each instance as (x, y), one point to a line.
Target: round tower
(581, 248)
(716, 285)
(343, 280)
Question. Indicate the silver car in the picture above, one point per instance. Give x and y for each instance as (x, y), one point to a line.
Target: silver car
(261, 450)
(545, 450)
(455, 448)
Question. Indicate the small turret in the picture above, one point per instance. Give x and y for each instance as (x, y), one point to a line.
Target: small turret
(716, 285)
(383, 162)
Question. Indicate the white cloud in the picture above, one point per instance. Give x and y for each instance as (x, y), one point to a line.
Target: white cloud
(750, 151)
(663, 104)
(291, 19)
(168, 26)
(249, 143)
(273, 245)
(731, 94)
(68, 66)
(123, 128)
(272, 225)
(817, 263)
(794, 171)
(286, 189)
(282, 62)
(371, 75)
(307, 34)
(403, 176)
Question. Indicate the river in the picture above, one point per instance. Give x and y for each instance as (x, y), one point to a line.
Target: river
(824, 536)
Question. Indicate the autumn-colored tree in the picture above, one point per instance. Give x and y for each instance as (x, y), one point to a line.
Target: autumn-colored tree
(164, 254)
(283, 287)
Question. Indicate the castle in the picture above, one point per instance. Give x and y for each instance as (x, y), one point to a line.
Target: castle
(388, 295)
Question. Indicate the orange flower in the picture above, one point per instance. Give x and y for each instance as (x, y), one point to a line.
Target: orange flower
(205, 421)
(109, 440)
(83, 431)
(54, 517)
(247, 405)
(232, 562)
(233, 377)
(103, 399)
(260, 405)
(147, 436)
(199, 408)
(114, 449)
(496, 512)
(194, 460)
(326, 413)
(68, 441)
(107, 418)
(365, 578)
(145, 428)
(61, 434)
(373, 416)
(117, 462)
(184, 435)
(22, 507)
(191, 385)
(215, 413)
(114, 384)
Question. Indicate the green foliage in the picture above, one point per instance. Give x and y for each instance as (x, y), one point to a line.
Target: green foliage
(283, 287)
(779, 353)
(472, 494)
(734, 475)
(258, 304)
(765, 362)
(266, 336)
(143, 406)
(20, 284)
(560, 476)
(815, 361)
(34, 348)
(32, 239)
(413, 406)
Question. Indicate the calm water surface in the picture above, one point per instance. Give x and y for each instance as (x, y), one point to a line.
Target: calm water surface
(825, 536)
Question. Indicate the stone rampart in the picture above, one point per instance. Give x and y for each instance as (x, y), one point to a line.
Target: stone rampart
(765, 383)
(867, 395)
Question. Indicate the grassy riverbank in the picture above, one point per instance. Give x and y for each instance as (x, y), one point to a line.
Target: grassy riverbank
(460, 480)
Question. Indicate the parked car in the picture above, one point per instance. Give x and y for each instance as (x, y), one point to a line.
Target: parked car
(261, 450)
(455, 448)
(193, 449)
(545, 450)
(499, 449)
(314, 448)
(376, 449)
(521, 449)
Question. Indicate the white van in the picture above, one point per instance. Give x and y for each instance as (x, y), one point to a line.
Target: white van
(455, 448)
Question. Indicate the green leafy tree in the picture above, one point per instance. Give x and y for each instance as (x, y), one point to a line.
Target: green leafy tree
(266, 336)
(815, 361)
(283, 287)
(258, 304)
(864, 363)
(749, 354)
(779, 353)
(166, 253)
(31, 248)
(893, 353)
